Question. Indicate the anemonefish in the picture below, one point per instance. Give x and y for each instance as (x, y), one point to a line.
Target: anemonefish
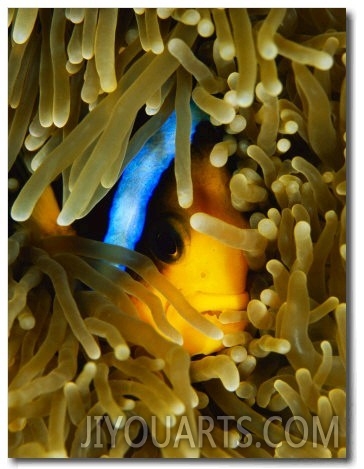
(146, 216)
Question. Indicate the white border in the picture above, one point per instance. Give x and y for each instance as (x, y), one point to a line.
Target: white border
(356, 22)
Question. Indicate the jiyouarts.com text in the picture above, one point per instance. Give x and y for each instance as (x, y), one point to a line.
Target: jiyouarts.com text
(199, 432)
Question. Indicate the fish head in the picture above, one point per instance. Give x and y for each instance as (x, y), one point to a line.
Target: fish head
(211, 275)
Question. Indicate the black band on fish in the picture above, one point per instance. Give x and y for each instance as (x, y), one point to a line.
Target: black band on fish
(139, 180)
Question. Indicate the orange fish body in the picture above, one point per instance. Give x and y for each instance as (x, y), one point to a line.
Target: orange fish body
(211, 275)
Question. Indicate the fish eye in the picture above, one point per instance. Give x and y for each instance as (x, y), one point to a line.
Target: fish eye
(166, 242)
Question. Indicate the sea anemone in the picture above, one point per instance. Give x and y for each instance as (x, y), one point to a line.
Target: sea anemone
(87, 88)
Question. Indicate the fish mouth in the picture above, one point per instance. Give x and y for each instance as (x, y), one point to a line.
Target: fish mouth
(237, 317)
(211, 313)
(213, 304)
